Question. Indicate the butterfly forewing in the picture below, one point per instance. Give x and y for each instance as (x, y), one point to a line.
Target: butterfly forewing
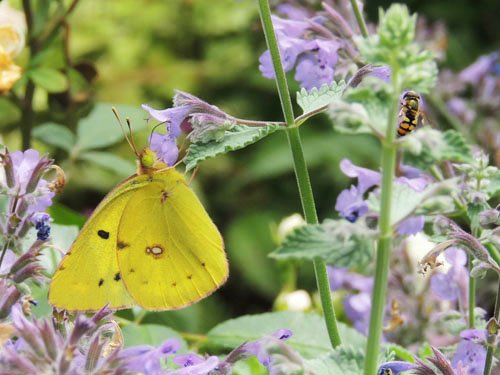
(170, 253)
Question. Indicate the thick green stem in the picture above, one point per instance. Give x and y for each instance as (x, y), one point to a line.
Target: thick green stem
(300, 167)
(489, 353)
(359, 18)
(385, 238)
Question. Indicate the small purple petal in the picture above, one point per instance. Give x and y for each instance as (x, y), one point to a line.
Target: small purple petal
(172, 117)
(282, 334)
(411, 225)
(394, 367)
(484, 65)
(418, 184)
(186, 360)
(357, 308)
(366, 177)
(471, 355)
(350, 204)
(474, 334)
(201, 368)
(165, 147)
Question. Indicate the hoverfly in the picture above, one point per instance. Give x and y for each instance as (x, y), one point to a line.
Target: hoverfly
(410, 113)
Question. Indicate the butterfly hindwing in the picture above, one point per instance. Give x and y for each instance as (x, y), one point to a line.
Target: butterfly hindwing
(88, 276)
(170, 253)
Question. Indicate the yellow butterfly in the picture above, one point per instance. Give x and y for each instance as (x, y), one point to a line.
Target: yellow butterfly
(150, 243)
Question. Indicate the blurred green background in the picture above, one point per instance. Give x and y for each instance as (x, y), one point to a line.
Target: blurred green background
(142, 51)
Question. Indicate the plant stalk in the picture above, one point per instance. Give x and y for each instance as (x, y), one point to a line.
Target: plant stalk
(300, 167)
(384, 246)
(496, 315)
(359, 18)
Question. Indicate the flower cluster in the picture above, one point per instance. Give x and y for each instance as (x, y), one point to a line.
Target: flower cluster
(203, 121)
(317, 47)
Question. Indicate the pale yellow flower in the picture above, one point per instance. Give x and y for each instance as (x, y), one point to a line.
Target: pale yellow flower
(12, 39)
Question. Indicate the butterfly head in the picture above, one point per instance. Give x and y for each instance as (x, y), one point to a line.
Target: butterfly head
(148, 161)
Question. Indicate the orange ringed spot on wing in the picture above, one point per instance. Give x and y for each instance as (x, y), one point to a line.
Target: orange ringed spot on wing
(155, 251)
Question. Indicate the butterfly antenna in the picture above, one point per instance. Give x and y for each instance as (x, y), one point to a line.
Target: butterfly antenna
(153, 129)
(193, 175)
(115, 112)
(132, 142)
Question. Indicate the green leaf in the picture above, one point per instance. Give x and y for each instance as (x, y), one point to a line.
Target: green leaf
(55, 135)
(49, 79)
(149, 334)
(428, 146)
(309, 332)
(345, 359)
(318, 98)
(61, 214)
(237, 137)
(401, 353)
(109, 161)
(100, 128)
(338, 242)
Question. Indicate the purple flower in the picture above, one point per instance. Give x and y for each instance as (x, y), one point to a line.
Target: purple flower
(394, 367)
(341, 278)
(186, 108)
(452, 285)
(357, 308)
(471, 353)
(195, 365)
(483, 66)
(411, 225)
(147, 359)
(41, 221)
(351, 205)
(186, 360)
(165, 147)
(316, 67)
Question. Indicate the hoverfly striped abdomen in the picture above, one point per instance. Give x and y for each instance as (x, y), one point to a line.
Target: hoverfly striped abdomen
(409, 114)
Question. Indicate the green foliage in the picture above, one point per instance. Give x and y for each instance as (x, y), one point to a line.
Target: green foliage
(393, 46)
(427, 146)
(55, 135)
(149, 334)
(401, 353)
(109, 161)
(338, 242)
(318, 99)
(362, 109)
(309, 334)
(49, 79)
(345, 359)
(235, 138)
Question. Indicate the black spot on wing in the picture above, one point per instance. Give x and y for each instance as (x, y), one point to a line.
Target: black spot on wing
(101, 281)
(117, 277)
(121, 245)
(103, 234)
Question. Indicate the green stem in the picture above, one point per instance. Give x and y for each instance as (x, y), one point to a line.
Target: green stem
(300, 167)
(385, 238)
(472, 294)
(359, 18)
(489, 353)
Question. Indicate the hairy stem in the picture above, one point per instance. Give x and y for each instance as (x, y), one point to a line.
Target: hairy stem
(300, 166)
(385, 237)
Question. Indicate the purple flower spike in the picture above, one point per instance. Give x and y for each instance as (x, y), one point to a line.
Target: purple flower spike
(350, 204)
(201, 368)
(316, 68)
(411, 225)
(357, 308)
(394, 367)
(165, 147)
(41, 221)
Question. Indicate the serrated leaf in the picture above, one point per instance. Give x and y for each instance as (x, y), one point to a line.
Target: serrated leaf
(149, 334)
(311, 101)
(100, 128)
(345, 359)
(55, 135)
(49, 79)
(109, 161)
(235, 138)
(309, 338)
(338, 242)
